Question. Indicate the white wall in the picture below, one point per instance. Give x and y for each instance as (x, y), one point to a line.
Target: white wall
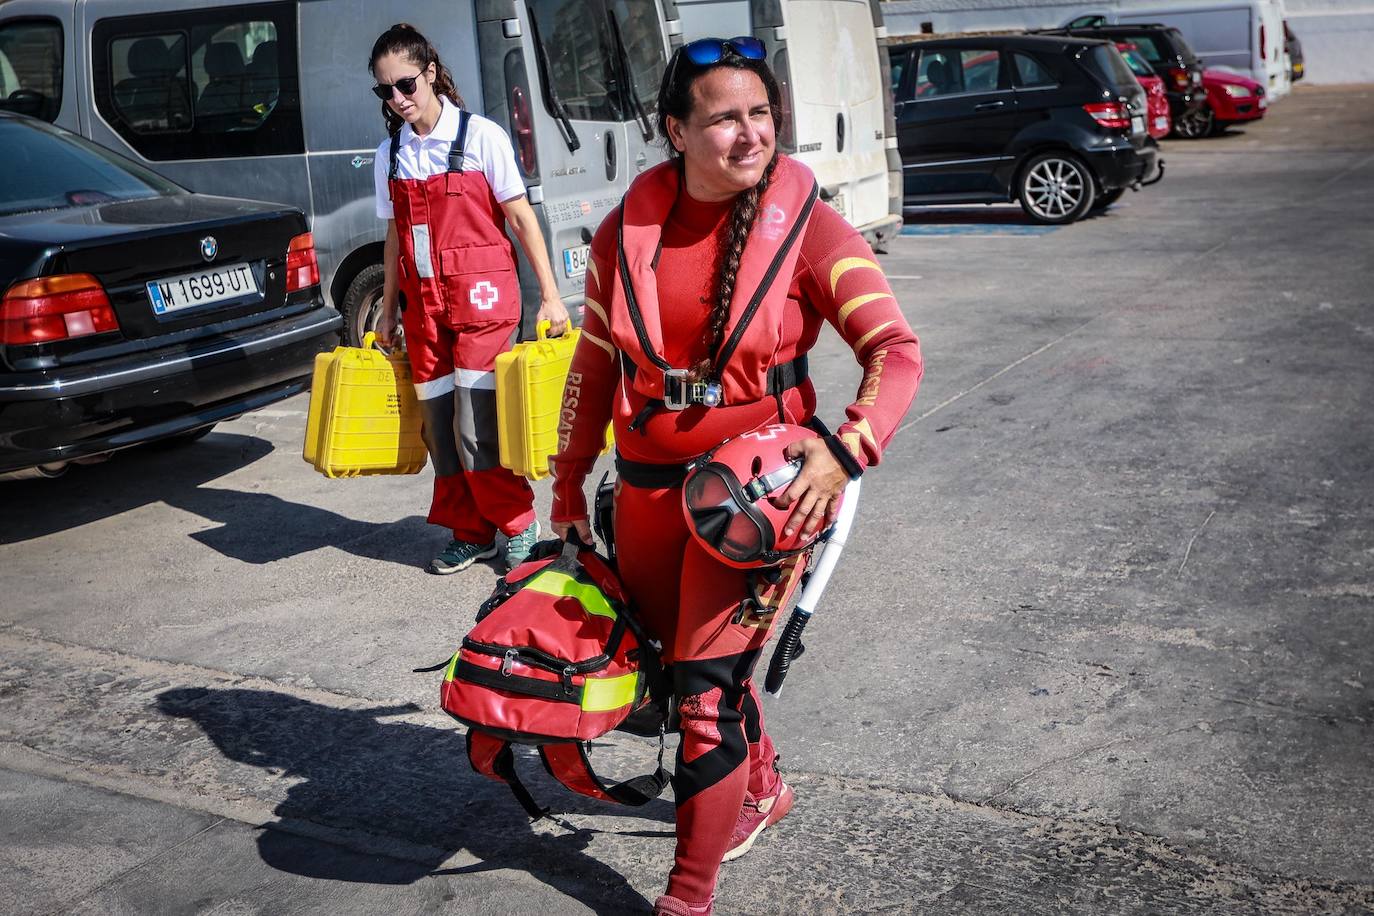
(1337, 35)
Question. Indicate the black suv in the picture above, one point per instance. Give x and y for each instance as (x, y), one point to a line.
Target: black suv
(1165, 49)
(1056, 123)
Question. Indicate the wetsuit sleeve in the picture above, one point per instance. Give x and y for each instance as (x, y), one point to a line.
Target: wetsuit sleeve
(588, 397)
(841, 280)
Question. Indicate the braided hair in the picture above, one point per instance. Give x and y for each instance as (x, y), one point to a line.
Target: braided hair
(404, 39)
(675, 100)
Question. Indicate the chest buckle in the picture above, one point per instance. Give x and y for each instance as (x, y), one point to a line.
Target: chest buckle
(679, 392)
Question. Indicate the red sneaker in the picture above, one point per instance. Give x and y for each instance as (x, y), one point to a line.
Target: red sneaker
(755, 815)
(672, 906)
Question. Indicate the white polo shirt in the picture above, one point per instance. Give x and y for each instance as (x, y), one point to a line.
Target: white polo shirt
(487, 149)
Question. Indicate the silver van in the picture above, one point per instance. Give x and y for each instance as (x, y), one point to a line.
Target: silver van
(270, 100)
(831, 60)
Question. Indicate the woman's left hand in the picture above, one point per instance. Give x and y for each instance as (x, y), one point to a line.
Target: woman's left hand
(816, 490)
(552, 310)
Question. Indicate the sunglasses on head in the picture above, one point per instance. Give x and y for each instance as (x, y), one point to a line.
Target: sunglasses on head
(707, 51)
(406, 86)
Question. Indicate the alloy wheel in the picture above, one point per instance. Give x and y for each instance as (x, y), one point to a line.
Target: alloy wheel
(1055, 188)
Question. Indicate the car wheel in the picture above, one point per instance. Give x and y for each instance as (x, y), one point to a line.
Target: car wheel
(362, 303)
(1103, 201)
(1055, 188)
(1196, 124)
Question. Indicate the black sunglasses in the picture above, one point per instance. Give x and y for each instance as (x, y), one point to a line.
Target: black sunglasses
(707, 51)
(407, 87)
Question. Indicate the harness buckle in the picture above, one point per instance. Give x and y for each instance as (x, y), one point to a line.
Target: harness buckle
(679, 393)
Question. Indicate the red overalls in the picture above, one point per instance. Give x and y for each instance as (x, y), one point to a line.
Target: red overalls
(461, 306)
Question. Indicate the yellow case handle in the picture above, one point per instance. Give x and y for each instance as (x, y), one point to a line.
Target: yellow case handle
(369, 339)
(542, 328)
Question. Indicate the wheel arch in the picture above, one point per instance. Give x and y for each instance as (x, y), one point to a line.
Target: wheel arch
(349, 268)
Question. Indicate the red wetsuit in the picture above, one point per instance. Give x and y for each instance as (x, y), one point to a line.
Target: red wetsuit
(687, 599)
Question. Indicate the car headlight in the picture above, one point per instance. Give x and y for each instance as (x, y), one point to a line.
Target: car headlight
(1236, 92)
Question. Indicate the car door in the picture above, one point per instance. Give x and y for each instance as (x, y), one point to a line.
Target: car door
(957, 121)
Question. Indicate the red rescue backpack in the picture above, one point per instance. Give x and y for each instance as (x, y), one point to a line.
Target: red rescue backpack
(555, 660)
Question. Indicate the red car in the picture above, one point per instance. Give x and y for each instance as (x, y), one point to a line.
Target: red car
(1156, 102)
(1231, 98)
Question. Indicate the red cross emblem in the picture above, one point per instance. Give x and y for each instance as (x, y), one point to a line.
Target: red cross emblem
(484, 295)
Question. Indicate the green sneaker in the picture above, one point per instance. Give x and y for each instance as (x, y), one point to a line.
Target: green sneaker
(518, 547)
(459, 555)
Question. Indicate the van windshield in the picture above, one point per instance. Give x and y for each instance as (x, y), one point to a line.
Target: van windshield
(584, 68)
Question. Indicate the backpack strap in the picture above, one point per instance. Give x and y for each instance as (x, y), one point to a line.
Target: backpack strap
(455, 149)
(492, 757)
(569, 764)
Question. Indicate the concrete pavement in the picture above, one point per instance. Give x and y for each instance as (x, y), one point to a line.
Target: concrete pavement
(1099, 643)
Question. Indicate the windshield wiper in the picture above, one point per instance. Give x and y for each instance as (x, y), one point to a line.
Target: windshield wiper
(551, 99)
(636, 106)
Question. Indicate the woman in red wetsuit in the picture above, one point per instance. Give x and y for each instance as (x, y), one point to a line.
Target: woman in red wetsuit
(705, 290)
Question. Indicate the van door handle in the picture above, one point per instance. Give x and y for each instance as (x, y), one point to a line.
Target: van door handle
(611, 167)
(989, 106)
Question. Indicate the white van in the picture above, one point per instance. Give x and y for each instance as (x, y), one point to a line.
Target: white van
(271, 100)
(1245, 36)
(831, 60)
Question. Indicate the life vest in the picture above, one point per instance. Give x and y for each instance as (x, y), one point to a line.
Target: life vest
(741, 372)
(555, 660)
(456, 260)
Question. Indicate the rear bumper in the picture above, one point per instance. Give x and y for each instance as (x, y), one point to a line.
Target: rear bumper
(1123, 166)
(882, 230)
(58, 415)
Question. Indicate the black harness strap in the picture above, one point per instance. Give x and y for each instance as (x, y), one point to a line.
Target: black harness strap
(395, 149)
(456, 148)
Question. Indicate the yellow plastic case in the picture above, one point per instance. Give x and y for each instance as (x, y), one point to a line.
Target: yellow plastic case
(529, 395)
(364, 418)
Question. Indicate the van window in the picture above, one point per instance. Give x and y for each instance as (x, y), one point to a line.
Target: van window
(643, 38)
(583, 67)
(203, 84)
(31, 67)
(580, 57)
(952, 72)
(1030, 72)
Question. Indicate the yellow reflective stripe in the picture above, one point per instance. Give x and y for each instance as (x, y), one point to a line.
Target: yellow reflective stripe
(857, 301)
(610, 350)
(863, 341)
(562, 585)
(452, 667)
(602, 694)
(596, 310)
(844, 266)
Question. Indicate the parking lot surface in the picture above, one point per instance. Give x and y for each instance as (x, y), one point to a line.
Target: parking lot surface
(1099, 644)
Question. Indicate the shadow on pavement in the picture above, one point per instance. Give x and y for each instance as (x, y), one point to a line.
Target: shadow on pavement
(355, 772)
(128, 480)
(255, 527)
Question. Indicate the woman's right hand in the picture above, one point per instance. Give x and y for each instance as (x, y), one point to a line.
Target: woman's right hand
(580, 525)
(386, 328)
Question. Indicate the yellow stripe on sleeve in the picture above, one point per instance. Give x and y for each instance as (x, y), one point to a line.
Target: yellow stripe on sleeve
(844, 265)
(588, 335)
(591, 269)
(863, 341)
(597, 310)
(857, 301)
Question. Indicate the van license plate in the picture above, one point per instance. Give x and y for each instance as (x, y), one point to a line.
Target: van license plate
(1137, 124)
(575, 260)
(205, 287)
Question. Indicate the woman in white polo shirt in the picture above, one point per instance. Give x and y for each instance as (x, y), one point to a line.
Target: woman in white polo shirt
(447, 183)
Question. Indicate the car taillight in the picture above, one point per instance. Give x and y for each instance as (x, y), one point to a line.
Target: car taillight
(55, 308)
(782, 69)
(1181, 77)
(302, 270)
(522, 125)
(1110, 114)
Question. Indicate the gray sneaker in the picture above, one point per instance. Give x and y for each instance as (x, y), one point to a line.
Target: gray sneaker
(459, 555)
(519, 546)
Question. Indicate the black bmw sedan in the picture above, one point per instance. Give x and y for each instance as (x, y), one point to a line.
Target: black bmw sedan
(134, 310)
